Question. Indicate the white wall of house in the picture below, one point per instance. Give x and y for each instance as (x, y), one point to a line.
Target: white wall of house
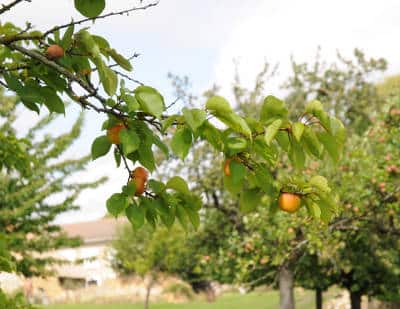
(96, 265)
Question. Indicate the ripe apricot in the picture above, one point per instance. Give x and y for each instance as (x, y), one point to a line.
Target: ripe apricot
(113, 133)
(227, 169)
(141, 173)
(140, 185)
(289, 202)
(139, 178)
(54, 52)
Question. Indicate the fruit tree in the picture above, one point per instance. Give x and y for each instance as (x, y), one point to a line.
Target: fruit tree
(45, 67)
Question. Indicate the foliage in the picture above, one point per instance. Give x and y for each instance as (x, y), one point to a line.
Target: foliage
(355, 251)
(147, 250)
(30, 202)
(14, 302)
(345, 87)
(255, 143)
(365, 241)
(180, 289)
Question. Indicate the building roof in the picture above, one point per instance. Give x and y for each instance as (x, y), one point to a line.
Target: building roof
(98, 231)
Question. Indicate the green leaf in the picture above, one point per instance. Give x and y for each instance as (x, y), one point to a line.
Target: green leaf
(234, 182)
(121, 60)
(168, 122)
(327, 209)
(269, 154)
(213, 136)
(249, 200)
(166, 213)
(312, 208)
(117, 204)
(67, 37)
(298, 129)
(334, 143)
(316, 109)
(283, 140)
(234, 122)
(181, 142)
(296, 154)
(218, 104)
(156, 186)
(146, 156)
(314, 106)
(150, 100)
(101, 145)
(130, 140)
(12, 82)
(149, 206)
(52, 100)
(90, 8)
(264, 179)
(131, 102)
(160, 144)
(117, 157)
(178, 184)
(31, 92)
(89, 44)
(182, 216)
(193, 217)
(108, 77)
(129, 189)
(273, 108)
(338, 131)
(135, 215)
(320, 183)
(272, 130)
(101, 42)
(231, 186)
(194, 117)
(311, 142)
(238, 171)
(236, 143)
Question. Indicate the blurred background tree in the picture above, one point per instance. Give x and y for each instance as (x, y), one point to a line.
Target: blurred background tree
(281, 250)
(33, 193)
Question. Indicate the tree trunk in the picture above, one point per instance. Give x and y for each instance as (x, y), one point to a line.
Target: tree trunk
(286, 288)
(318, 298)
(148, 290)
(355, 299)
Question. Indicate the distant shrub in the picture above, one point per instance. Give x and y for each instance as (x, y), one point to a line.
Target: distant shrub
(180, 289)
(17, 301)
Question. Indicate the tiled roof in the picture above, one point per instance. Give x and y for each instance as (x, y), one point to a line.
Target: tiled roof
(94, 231)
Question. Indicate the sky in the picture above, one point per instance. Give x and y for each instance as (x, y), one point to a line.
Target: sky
(201, 39)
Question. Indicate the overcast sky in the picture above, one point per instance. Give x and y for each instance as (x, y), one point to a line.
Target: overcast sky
(201, 38)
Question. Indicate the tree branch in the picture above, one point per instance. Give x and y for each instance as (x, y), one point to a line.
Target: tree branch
(6, 7)
(81, 21)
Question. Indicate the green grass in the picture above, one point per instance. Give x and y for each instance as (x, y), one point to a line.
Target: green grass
(255, 300)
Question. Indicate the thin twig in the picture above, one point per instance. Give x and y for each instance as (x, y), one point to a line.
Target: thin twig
(128, 77)
(6, 7)
(173, 103)
(56, 28)
(125, 162)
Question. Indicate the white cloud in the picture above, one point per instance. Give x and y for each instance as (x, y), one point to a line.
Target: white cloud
(277, 30)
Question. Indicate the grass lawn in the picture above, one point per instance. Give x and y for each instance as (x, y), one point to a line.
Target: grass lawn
(255, 300)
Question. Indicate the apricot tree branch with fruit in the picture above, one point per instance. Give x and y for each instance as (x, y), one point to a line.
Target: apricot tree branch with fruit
(42, 67)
